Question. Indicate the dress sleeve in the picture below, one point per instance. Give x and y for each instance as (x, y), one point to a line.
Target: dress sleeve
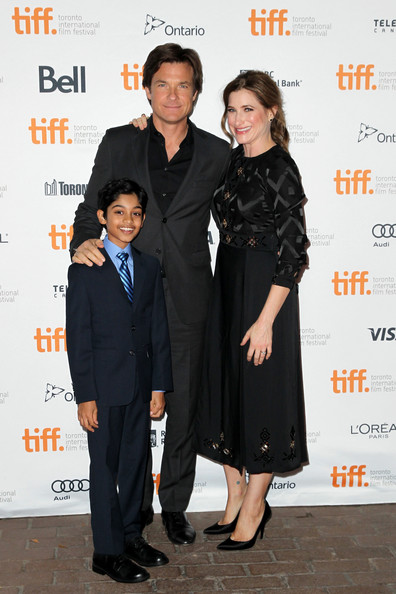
(285, 186)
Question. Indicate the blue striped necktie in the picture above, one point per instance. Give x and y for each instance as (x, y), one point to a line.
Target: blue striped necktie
(126, 275)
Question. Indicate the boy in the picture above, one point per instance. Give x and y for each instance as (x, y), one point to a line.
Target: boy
(119, 358)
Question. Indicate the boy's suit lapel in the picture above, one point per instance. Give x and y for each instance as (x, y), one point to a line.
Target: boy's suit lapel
(109, 268)
(138, 274)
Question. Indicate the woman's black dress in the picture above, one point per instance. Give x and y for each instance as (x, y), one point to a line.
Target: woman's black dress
(250, 416)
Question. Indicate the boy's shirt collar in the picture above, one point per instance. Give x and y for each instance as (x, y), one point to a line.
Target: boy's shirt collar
(112, 249)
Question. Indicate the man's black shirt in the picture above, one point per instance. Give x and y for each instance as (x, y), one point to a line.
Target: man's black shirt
(167, 176)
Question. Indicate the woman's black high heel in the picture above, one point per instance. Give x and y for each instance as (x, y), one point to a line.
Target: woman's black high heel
(239, 545)
(222, 528)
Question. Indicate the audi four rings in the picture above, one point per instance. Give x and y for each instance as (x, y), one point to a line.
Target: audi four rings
(386, 231)
(70, 486)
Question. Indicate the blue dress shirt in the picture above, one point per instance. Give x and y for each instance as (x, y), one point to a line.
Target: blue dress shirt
(112, 249)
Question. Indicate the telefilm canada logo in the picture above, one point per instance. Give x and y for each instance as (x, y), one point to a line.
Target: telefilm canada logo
(61, 188)
(368, 131)
(387, 26)
(153, 23)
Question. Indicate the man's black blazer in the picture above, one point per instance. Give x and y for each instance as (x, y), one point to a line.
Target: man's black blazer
(117, 349)
(178, 238)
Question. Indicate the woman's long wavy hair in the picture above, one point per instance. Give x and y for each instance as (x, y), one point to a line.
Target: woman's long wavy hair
(268, 94)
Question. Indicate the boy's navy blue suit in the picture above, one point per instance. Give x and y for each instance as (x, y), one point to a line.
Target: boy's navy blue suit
(118, 353)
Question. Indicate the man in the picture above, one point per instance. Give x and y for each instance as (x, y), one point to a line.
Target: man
(180, 166)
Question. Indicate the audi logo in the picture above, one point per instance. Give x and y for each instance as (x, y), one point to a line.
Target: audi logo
(387, 231)
(70, 486)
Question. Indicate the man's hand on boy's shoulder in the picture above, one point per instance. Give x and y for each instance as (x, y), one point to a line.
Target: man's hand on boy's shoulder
(87, 253)
(157, 405)
(140, 123)
(87, 413)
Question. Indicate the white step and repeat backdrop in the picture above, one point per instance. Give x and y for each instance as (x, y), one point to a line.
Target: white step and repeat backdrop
(71, 69)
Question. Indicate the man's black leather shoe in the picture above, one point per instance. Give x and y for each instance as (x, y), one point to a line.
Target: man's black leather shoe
(178, 528)
(140, 551)
(119, 568)
(146, 517)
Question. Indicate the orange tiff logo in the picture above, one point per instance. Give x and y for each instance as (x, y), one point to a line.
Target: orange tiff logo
(354, 283)
(272, 24)
(132, 77)
(51, 341)
(346, 383)
(51, 133)
(47, 441)
(353, 79)
(355, 182)
(355, 475)
(59, 239)
(36, 23)
(156, 481)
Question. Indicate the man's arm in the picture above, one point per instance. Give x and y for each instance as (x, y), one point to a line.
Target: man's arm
(87, 229)
(162, 363)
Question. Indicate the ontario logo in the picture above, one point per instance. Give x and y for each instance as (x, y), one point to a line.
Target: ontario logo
(51, 391)
(153, 23)
(366, 131)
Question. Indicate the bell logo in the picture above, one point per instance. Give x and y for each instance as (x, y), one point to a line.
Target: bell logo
(345, 384)
(46, 343)
(46, 442)
(353, 80)
(354, 472)
(156, 481)
(40, 19)
(56, 129)
(273, 24)
(65, 84)
(59, 238)
(354, 285)
(355, 182)
(132, 78)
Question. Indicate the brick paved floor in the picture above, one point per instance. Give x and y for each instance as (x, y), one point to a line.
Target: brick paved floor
(337, 550)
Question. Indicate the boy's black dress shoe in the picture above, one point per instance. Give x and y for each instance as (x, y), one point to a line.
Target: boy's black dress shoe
(178, 528)
(146, 517)
(140, 551)
(119, 568)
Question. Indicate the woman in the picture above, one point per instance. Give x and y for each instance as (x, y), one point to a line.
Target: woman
(251, 415)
